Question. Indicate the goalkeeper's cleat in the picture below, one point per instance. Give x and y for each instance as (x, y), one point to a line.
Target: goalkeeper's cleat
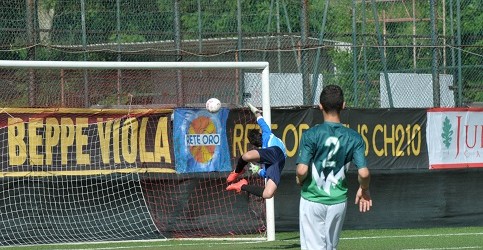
(253, 109)
(237, 186)
(233, 176)
(262, 173)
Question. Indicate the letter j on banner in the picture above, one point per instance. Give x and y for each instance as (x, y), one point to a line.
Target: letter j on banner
(200, 141)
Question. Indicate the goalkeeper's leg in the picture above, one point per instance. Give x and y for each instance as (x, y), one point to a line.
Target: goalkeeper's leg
(249, 156)
(239, 170)
(240, 165)
(266, 192)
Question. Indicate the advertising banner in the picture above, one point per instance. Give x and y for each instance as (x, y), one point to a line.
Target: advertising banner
(394, 138)
(200, 141)
(455, 138)
(84, 141)
(195, 140)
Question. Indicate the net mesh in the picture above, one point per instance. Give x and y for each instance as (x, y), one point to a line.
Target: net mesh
(111, 88)
(109, 172)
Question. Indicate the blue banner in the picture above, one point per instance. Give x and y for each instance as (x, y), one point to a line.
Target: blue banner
(200, 141)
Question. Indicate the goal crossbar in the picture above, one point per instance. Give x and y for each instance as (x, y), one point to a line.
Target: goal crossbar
(131, 65)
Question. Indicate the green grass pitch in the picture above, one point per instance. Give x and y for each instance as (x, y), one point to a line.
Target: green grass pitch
(384, 239)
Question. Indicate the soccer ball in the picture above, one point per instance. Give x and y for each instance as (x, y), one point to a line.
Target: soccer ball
(213, 105)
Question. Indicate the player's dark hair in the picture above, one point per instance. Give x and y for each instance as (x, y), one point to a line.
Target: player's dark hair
(255, 137)
(332, 98)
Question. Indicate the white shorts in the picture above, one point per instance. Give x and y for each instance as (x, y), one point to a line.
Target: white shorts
(320, 225)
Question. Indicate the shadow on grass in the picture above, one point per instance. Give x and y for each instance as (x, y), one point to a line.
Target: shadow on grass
(290, 246)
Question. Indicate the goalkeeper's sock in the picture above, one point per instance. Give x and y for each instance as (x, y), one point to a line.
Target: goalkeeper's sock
(255, 190)
(240, 165)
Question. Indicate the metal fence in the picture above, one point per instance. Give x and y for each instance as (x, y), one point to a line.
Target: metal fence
(384, 53)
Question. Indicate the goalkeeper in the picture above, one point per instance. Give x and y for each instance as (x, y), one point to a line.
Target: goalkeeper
(270, 154)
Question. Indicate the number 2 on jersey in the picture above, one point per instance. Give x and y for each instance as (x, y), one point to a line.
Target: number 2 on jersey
(333, 144)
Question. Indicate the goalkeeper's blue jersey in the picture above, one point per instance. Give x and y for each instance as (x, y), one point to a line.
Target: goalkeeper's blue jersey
(268, 138)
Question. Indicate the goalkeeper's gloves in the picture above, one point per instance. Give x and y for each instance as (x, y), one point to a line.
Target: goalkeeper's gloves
(255, 169)
(253, 109)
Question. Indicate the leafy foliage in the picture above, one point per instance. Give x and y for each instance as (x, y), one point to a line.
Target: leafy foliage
(152, 21)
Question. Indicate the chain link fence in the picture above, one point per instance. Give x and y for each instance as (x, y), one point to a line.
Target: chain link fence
(383, 53)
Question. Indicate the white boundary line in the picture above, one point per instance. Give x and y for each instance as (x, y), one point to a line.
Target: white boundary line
(229, 240)
(232, 241)
(408, 236)
(444, 248)
(160, 246)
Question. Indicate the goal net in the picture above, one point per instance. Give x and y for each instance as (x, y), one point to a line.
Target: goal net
(108, 151)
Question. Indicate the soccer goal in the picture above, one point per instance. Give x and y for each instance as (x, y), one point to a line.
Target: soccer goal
(95, 151)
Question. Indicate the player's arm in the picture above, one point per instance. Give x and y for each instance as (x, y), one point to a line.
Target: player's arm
(261, 122)
(305, 157)
(301, 172)
(363, 196)
(364, 178)
(263, 125)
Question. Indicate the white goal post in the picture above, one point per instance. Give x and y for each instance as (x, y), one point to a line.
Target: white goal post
(94, 65)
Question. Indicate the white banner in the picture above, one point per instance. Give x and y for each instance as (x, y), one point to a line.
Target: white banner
(455, 138)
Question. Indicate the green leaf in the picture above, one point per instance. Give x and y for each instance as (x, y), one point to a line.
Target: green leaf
(447, 132)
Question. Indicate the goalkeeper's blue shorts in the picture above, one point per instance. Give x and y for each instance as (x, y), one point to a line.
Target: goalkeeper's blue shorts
(273, 160)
